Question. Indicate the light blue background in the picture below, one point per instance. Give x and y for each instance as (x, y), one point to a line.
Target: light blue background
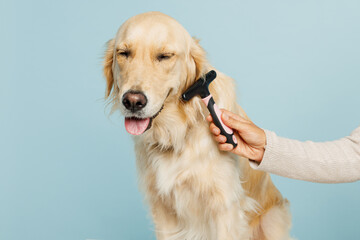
(67, 171)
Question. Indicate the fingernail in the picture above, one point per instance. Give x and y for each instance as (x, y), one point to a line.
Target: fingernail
(225, 116)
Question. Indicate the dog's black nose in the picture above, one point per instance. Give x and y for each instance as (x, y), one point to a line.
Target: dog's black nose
(134, 100)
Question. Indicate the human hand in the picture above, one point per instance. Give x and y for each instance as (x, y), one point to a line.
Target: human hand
(251, 138)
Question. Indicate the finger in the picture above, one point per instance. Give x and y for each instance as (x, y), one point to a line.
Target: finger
(232, 122)
(214, 129)
(220, 139)
(233, 115)
(209, 118)
(226, 147)
(237, 151)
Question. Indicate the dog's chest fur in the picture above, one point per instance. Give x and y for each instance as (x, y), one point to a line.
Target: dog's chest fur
(196, 185)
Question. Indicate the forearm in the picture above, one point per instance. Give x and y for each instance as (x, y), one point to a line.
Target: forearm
(328, 162)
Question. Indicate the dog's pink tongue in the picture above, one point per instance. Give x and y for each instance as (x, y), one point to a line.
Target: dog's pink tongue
(136, 126)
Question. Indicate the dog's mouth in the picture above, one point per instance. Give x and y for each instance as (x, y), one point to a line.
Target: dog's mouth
(137, 126)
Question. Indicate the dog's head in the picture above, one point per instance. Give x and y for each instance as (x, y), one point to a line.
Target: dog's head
(152, 59)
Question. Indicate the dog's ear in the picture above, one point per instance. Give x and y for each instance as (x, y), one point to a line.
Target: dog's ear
(198, 54)
(108, 62)
(196, 64)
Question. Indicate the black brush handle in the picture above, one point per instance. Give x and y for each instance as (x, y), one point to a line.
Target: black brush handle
(216, 116)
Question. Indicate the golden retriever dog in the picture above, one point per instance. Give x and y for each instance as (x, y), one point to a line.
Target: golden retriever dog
(194, 190)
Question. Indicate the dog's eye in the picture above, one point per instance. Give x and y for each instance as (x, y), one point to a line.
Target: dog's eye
(124, 53)
(164, 56)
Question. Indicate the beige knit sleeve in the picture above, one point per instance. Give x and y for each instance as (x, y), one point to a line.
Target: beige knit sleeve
(326, 162)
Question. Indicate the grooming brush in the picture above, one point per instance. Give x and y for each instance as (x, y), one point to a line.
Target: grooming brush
(201, 88)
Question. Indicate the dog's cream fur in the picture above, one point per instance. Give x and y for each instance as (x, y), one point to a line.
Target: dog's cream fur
(194, 190)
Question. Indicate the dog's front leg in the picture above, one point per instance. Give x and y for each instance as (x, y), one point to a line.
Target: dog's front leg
(164, 217)
(232, 224)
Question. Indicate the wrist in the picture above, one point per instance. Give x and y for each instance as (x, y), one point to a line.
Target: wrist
(259, 156)
(264, 142)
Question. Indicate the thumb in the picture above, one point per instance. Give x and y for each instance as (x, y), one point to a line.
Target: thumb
(232, 122)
